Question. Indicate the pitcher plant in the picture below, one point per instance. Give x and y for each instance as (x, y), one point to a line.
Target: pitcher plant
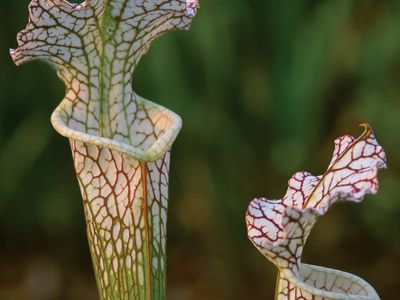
(280, 228)
(120, 142)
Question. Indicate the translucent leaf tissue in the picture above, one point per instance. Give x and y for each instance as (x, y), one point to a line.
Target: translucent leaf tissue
(280, 228)
(120, 142)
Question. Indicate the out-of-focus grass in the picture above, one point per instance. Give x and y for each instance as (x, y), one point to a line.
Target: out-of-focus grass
(263, 89)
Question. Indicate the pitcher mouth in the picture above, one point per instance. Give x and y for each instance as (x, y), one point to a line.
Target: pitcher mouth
(330, 283)
(154, 152)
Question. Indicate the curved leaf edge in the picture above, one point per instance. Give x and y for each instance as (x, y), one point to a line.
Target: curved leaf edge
(161, 146)
(300, 283)
(315, 213)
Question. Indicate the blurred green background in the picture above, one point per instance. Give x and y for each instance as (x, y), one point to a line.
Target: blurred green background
(263, 88)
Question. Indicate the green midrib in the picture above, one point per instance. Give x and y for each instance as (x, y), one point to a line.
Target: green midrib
(106, 27)
(106, 23)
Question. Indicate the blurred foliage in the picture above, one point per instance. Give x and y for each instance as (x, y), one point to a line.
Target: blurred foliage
(263, 88)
